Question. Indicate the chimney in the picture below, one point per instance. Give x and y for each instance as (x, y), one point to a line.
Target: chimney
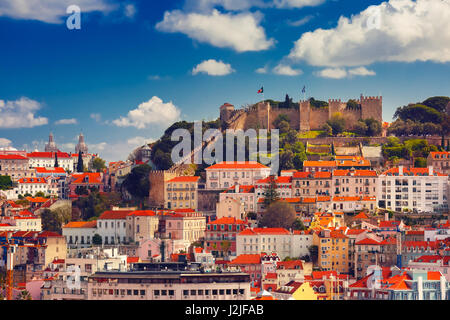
(236, 188)
(386, 216)
(430, 170)
(420, 287)
(400, 170)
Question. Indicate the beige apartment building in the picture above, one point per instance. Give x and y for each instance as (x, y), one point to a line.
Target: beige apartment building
(16, 166)
(141, 225)
(440, 161)
(348, 183)
(310, 184)
(181, 192)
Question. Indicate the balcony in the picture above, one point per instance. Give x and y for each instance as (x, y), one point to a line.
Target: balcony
(214, 178)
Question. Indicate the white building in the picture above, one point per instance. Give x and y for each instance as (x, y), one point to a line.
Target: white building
(79, 234)
(284, 187)
(32, 186)
(244, 194)
(47, 160)
(420, 189)
(112, 226)
(279, 240)
(226, 174)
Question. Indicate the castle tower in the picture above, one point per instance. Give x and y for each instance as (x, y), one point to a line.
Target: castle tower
(81, 146)
(51, 145)
(305, 113)
(372, 107)
(226, 111)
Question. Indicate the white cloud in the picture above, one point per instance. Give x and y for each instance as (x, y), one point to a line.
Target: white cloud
(66, 121)
(69, 147)
(361, 71)
(297, 3)
(97, 147)
(340, 73)
(130, 11)
(240, 32)
(20, 114)
(49, 11)
(5, 142)
(398, 30)
(263, 70)
(239, 5)
(213, 68)
(154, 111)
(332, 73)
(300, 22)
(139, 141)
(286, 70)
(96, 116)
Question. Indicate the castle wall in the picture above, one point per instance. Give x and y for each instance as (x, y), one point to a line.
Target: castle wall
(156, 193)
(318, 118)
(293, 115)
(372, 107)
(351, 117)
(304, 116)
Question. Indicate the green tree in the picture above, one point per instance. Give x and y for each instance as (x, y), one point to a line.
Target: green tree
(360, 128)
(313, 253)
(298, 225)
(24, 295)
(327, 130)
(56, 160)
(54, 220)
(5, 182)
(39, 194)
(286, 160)
(80, 165)
(271, 194)
(374, 127)
(437, 103)
(420, 162)
(278, 215)
(98, 164)
(97, 239)
(282, 117)
(284, 127)
(337, 123)
(137, 183)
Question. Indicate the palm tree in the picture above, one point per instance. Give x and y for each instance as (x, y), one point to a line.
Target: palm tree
(24, 295)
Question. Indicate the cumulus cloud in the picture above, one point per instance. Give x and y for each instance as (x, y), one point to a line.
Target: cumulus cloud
(241, 32)
(332, 73)
(66, 121)
(361, 71)
(262, 70)
(5, 142)
(130, 11)
(397, 30)
(49, 11)
(20, 114)
(139, 141)
(340, 73)
(96, 116)
(286, 70)
(154, 111)
(239, 5)
(213, 68)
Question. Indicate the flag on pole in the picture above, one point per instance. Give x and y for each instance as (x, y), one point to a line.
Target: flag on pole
(304, 89)
(261, 90)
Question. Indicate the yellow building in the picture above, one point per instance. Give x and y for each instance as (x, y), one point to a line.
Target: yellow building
(324, 220)
(305, 292)
(333, 250)
(181, 193)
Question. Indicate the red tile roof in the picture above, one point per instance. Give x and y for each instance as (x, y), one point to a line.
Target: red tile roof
(412, 172)
(142, 213)
(278, 180)
(247, 259)
(368, 241)
(118, 214)
(254, 231)
(184, 179)
(319, 163)
(237, 165)
(227, 220)
(50, 170)
(93, 178)
(32, 180)
(355, 173)
(294, 264)
(12, 157)
(48, 155)
(361, 215)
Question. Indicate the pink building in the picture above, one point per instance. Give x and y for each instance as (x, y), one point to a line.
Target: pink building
(250, 264)
(221, 236)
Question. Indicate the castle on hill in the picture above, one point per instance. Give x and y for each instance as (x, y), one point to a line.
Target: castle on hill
(304, 118)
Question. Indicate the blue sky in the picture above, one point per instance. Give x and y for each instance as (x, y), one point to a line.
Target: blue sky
(141, 56)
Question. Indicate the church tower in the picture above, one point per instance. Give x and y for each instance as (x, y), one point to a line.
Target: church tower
(51, 145)
(81, 146)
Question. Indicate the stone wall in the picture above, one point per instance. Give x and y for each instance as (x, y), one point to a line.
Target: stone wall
(156, 193)
(318, 117)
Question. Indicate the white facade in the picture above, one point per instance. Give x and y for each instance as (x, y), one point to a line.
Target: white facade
(79, 237)
(417, 188)
(285, 244)
(227, 174)
(47, 160)
(32, 186)
(112, 231)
